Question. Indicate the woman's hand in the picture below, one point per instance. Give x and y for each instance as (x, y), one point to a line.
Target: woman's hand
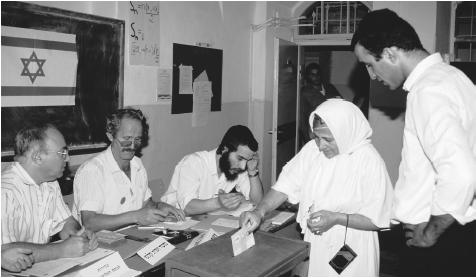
(321, 221)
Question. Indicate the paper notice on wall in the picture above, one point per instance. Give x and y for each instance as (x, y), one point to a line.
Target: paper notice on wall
(164, 85)
(202, 99)
(144, 33)
(185, 80)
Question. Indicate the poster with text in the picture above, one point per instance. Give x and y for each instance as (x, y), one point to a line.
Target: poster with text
(144, 33)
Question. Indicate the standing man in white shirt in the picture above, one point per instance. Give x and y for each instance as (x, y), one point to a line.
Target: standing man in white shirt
(111, 190)
(435, 192)
(218, 179)
(33, 209)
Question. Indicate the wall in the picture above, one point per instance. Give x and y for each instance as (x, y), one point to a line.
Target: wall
(225, 25)
(261, 114)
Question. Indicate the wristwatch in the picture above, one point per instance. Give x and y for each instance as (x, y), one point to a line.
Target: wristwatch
(253, 175)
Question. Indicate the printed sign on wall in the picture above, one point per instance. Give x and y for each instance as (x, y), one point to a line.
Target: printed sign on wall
(144, 33)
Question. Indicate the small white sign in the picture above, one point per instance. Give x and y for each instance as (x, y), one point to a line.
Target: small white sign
(156, 250)
(110, 266)
(242, 241)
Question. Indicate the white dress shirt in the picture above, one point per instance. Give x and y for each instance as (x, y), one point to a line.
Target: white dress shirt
(196, 177)
(437, 174)
(101, 186)
(30, 212)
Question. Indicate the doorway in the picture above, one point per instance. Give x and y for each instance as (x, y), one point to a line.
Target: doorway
(340, 74)
(339, 67)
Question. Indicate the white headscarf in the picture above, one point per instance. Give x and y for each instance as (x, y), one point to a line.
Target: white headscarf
(348, 125)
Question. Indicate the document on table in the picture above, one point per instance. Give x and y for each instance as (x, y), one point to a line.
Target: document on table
(56, 267)
(179, 226)
(225, 222)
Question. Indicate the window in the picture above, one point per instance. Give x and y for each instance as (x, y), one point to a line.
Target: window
(332, 17)
(465, 32)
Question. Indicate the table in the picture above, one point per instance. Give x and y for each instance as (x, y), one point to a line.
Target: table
(272, 255)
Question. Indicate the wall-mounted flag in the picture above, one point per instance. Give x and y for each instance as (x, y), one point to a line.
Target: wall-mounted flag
(38, 67)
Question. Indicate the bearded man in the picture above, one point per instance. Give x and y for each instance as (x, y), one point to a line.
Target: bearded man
(218, 179)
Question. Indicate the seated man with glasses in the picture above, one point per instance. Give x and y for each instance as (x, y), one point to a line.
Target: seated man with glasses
(33, 209)
(111, 189)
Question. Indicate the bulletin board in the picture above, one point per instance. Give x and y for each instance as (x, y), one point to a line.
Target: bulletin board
(99, 79)
(200, 58)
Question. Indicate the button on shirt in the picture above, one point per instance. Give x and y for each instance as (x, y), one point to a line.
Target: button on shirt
(101, 186)
(437, 174)
(196, 177)
(30, 212)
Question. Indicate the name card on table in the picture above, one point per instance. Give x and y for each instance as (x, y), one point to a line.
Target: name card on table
(242, 241)
(156, 250)
(110, 266)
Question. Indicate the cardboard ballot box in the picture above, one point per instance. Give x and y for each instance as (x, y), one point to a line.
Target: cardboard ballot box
(271, 256)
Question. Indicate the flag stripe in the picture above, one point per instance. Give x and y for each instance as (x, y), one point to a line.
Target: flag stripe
(37, 91)
(35, 43)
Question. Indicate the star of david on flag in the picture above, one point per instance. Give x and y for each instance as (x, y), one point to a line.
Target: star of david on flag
(39, 68)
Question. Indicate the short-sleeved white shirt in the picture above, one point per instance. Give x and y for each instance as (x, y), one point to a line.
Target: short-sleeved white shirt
(196, 177)
(30, 212)
(101, 186)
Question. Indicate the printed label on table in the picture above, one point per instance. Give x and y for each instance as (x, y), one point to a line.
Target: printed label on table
(156, 250)
(110, 266)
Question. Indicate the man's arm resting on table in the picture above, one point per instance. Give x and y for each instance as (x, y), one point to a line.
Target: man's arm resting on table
(197, 206)
(74, 246)
(144, 216)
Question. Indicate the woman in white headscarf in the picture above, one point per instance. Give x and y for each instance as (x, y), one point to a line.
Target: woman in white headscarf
(339, 181)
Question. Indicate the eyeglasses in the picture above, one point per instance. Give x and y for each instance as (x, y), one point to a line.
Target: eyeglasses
(64, 153)
(126, 142)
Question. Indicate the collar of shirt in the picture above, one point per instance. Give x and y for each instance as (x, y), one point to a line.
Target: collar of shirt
(420, 69)
(112, 165)
(23, 174)
(212, 162)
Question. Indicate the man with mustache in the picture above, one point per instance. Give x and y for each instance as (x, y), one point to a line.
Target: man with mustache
(111, 190)
(435, 193)
(219, 179)
(33, 209)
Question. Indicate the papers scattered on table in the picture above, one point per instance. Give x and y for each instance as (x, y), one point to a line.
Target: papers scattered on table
(156, 250)
(179, 226)
(202, 238)
(242, 241)
(281, 217)
(225, 222)
(244, 206)
(56, 267)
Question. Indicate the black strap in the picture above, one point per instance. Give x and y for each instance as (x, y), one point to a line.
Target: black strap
(346, 224)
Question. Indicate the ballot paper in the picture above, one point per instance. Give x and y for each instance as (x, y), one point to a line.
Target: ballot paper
(202, 238)
(242, 241)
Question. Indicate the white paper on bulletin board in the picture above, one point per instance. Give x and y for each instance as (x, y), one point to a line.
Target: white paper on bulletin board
(144, 33)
